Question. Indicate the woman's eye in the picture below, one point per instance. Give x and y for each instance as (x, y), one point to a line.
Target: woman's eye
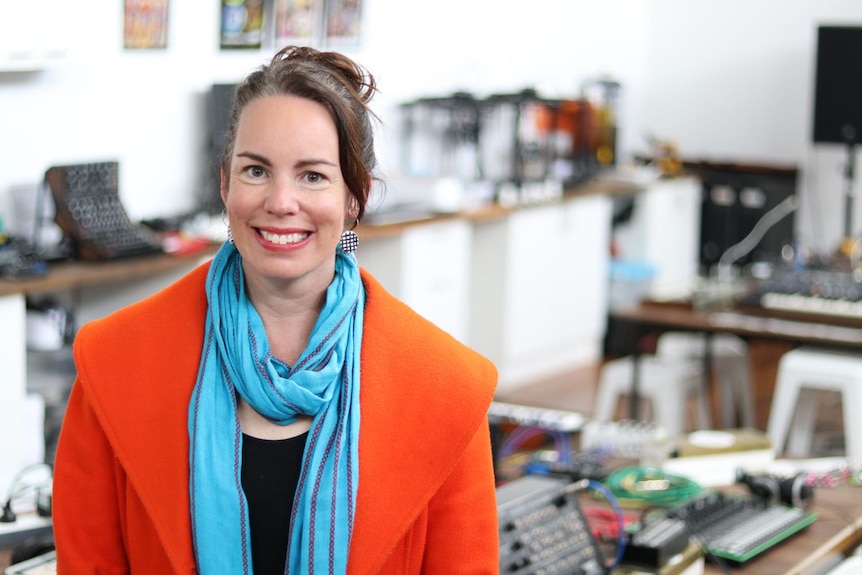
(313, 178)
(256, 171)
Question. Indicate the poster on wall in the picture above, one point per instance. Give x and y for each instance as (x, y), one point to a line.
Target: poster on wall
(343, 22)
(298, 22)
(242, 24)
(145, 24)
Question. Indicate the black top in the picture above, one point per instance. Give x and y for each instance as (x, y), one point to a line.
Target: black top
(270, 473)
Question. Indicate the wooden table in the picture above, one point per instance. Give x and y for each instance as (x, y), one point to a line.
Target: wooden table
(651, 318)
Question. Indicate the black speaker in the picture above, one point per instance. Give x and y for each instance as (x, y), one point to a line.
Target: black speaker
(838, 85)
(218, 107)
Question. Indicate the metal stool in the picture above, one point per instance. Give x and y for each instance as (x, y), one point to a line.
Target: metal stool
(667, 383)
(802, 373)
(730, 367)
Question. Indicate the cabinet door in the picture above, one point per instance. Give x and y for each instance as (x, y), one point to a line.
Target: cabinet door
(34, 33)
(18, 38)
(437, 274)
(13, 386)
(533, 279)
(556, 282)
(427, 266)
(664, 231)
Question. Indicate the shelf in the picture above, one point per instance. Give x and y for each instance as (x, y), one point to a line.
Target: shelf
(76, 274)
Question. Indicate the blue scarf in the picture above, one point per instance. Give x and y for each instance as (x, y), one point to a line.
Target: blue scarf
(324, 384)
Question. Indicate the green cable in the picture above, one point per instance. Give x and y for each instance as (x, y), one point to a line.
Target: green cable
(650, 486)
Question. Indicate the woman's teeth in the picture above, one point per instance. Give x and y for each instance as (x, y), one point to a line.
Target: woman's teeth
(283, 238)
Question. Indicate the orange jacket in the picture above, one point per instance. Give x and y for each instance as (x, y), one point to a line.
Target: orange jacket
(426, 501)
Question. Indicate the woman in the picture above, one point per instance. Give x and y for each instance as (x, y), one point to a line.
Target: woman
(277, 410)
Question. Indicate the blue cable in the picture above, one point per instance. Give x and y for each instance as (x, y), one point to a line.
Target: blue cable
(612, 500)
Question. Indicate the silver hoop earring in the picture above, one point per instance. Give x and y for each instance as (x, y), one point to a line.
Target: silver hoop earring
(349, 242)
(226, 221)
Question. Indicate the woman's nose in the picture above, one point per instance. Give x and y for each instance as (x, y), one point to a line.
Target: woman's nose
(282, 197)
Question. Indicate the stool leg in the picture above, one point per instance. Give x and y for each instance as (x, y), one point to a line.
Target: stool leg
(741, 403)
(851, 399)
(781, 411)
(701, 398)
(670, 414)
(610, 387)
(745, 401)
(726, 399)
(802, 428)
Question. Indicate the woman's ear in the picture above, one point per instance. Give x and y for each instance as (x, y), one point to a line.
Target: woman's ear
(352, 209)
(223, 186)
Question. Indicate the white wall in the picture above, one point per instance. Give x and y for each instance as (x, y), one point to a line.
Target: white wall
(733, 80)
(725, 79)
(146, 108)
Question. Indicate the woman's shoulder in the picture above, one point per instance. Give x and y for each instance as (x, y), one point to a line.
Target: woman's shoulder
(174, 313)
(412, 334)
(397, 339)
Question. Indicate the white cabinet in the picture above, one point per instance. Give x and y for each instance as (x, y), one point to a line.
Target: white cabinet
(664, 231)
(538, 293)
(34, 33)
(13, 387)
(97, 291)
(427, 266)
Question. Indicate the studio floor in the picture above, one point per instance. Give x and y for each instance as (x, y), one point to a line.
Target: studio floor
(575, 391)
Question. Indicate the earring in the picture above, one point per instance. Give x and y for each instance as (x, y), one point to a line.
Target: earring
(349, 242)
(224, 219)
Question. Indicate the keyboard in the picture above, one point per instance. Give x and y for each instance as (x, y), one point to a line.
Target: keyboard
(543, 417)
(809, 291)
(738, 528)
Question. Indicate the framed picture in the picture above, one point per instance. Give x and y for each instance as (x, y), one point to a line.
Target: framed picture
(145, 25)
(298, 22)
(242, 24)
(343, 22)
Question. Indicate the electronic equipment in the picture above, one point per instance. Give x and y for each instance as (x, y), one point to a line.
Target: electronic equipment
(544, 417)
(628, 438)
(795, 490)
(838, 87)
(89, 211)
(735, 197)
(737, 528)
(44, 564)
(219, 102)
(20, 259)
(656, 542)
(837, 91)
(809, 291)
(31, 222)
(543, 529)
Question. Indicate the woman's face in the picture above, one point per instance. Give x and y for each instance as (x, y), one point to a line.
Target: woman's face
(285, 196)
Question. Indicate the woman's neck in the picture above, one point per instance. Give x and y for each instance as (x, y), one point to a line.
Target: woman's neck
(287, 318)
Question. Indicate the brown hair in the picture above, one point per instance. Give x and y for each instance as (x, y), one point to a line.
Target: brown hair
(336, 82)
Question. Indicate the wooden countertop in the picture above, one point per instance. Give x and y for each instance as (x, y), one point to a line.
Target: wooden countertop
(75, 274)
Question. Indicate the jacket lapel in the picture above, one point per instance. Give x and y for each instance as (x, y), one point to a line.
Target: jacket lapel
(144, 406)
(145, 412)
(414, 425)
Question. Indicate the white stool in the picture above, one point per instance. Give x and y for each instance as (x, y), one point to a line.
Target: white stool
(730, 367)
(667, 383)
(802, 373)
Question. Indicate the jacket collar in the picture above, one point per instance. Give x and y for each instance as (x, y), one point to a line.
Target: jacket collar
(146, 417)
